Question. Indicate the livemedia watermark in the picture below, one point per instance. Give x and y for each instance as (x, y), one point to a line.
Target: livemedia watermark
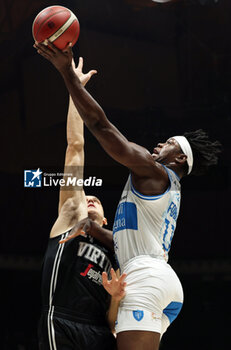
(37, 178)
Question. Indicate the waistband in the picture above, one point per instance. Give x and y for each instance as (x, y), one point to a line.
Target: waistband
(78, 317)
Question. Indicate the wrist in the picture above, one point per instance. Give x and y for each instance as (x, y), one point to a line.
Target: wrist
(70, 76)
(93, 225)
(66, 70)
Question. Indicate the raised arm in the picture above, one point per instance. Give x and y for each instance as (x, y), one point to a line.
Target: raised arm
(74, 158)
(133, 156)
(72, 202)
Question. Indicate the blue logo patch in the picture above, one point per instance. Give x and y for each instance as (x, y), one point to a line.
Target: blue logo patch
(33, 178)
(126, 217)
(138, 315)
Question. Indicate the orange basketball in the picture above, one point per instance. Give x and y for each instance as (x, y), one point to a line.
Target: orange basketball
(58, 24)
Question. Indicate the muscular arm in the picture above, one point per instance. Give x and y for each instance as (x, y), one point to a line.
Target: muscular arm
(115, 144)
(148, 176)
(74, 158)
(102, 234)
(95, 230)
(72, 202)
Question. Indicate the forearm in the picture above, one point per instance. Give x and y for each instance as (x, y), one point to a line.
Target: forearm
(113, 308)
(110, 138)
(74, 127)
(74, 157)
(101, 234)
(113, 142)
(112, 313)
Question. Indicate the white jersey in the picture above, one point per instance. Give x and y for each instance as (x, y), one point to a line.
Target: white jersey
(144, 225)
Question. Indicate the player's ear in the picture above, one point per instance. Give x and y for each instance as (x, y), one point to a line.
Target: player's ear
(181, 158)
(104, 221)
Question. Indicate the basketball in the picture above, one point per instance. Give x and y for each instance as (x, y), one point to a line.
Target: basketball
(58, 24)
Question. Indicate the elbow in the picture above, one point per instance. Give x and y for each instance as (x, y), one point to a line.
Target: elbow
(97, 128)
(95, 119)
(76, 145)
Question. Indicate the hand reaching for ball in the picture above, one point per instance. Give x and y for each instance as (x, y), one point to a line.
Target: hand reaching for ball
(61, 59)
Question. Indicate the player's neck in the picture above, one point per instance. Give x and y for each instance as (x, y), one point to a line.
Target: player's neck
(179, 172)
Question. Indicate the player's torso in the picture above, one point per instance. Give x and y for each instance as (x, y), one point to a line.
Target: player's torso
(144, 225)
(72, 276)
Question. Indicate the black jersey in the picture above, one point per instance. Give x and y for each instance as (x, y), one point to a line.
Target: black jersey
(71, 280)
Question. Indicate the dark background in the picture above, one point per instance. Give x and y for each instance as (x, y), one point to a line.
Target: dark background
(162, 70)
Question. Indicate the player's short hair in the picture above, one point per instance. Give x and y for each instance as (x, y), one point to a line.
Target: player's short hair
(205, 151)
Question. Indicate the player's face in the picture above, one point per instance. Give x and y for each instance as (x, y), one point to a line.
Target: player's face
(166, 153)
(94, 206)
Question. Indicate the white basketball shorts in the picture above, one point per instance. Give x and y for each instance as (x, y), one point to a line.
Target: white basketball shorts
(154, 296)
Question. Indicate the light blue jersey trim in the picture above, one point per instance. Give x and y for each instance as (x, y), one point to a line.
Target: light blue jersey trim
(148, 198)
(167, 169)
(153, 198)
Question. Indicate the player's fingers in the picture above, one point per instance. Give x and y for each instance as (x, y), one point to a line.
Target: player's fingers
(80, 65)
(92, 72)
(63, 240)
(53, 47)
(82, 233)
(122, 278)
(68, 50)
(81, 230)
(104, 278)
(43, 50)
(76, 232)
(44, 47)
(113, 274)
(86, 227)
(73, 63)
(44, 55)
(71, 236)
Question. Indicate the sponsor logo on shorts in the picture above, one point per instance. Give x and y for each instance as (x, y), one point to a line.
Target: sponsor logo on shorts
(153, 316)
(138, 314)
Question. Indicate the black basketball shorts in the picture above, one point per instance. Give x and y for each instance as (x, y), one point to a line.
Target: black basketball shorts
(64, 334)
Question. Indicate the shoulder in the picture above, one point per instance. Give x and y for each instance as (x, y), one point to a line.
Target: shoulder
(152, 180)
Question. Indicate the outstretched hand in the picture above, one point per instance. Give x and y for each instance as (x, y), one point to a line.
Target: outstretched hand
(81, 228)
(61, 59)
(116, 286)
(84, 78)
